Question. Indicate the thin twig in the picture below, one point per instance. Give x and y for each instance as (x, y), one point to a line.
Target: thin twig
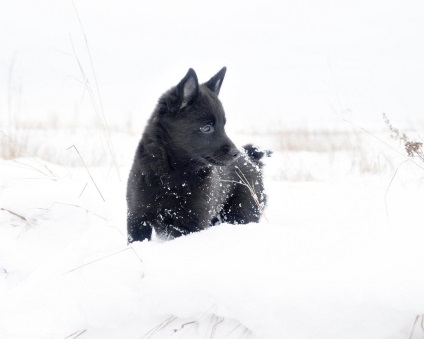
(103, 120)
(413, 328)
(83, 190)
(76, 149)
(76, 334)
(73, 205)
(250, 186)
(99, 216)
(413, 148)
(217, 322)
(136, 254)
(390, 184)
(9, 89)
(247, 332)
(96, 260)
(175, 330)
(79, 334)
(14, 213)
(87, 86)
(243, 181)
(383, 142)
(86, 82)
(233, 329)
(261, 207)
(159, 327)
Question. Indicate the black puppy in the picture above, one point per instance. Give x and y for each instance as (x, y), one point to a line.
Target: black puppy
(187, 174)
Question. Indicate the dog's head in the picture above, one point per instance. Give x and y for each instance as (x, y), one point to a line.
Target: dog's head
(193, 119)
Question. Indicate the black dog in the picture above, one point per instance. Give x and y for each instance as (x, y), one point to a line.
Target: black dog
(187, 174)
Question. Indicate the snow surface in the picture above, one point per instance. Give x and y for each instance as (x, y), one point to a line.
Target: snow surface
(340, 258)
(339, 254)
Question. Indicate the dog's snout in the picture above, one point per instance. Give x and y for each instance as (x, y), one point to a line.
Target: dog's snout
(231, 151)
(235, 153)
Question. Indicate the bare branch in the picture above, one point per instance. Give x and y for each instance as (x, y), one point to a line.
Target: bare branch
(14, 213)
(94, 261)
(92, 179)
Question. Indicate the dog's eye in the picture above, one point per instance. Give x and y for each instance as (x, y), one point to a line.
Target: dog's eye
(207, 129)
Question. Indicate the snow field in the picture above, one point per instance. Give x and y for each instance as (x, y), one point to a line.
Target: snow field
(339, 254)
(333, 258)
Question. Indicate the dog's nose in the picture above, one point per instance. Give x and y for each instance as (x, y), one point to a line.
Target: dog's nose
(235, 153)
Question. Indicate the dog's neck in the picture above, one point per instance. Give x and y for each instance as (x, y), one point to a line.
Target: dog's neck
(158, 159)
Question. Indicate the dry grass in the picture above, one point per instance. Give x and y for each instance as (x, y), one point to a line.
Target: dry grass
(76, 334)
(419, 322)
(319, 140)
(303, 152)
(413, 148)
(207, 326)
(306, 154)
(14, 213)
(13, 145)
(50, 142)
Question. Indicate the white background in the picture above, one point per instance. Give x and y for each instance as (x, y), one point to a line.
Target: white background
(287, 61)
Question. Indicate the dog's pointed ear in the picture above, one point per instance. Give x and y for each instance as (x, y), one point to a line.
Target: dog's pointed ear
(188, 88)
(214, 83)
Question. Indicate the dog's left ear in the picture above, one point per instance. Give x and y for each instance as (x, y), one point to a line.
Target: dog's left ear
(214, 84)
(188, 88)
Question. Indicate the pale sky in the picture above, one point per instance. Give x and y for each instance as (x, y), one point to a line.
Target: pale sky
(287, 60)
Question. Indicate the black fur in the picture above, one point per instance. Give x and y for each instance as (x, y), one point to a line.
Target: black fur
(187, 174)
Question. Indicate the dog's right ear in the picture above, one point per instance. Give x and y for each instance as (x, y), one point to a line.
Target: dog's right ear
(214, 83)
(188, 88)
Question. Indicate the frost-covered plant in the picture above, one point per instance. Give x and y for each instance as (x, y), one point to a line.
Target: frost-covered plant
(413, 148)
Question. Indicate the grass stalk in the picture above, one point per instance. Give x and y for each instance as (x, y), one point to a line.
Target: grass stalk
(100, 113)
(88, 171)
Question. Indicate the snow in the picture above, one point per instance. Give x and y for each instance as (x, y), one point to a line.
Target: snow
(339, 251)
(332, 258)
